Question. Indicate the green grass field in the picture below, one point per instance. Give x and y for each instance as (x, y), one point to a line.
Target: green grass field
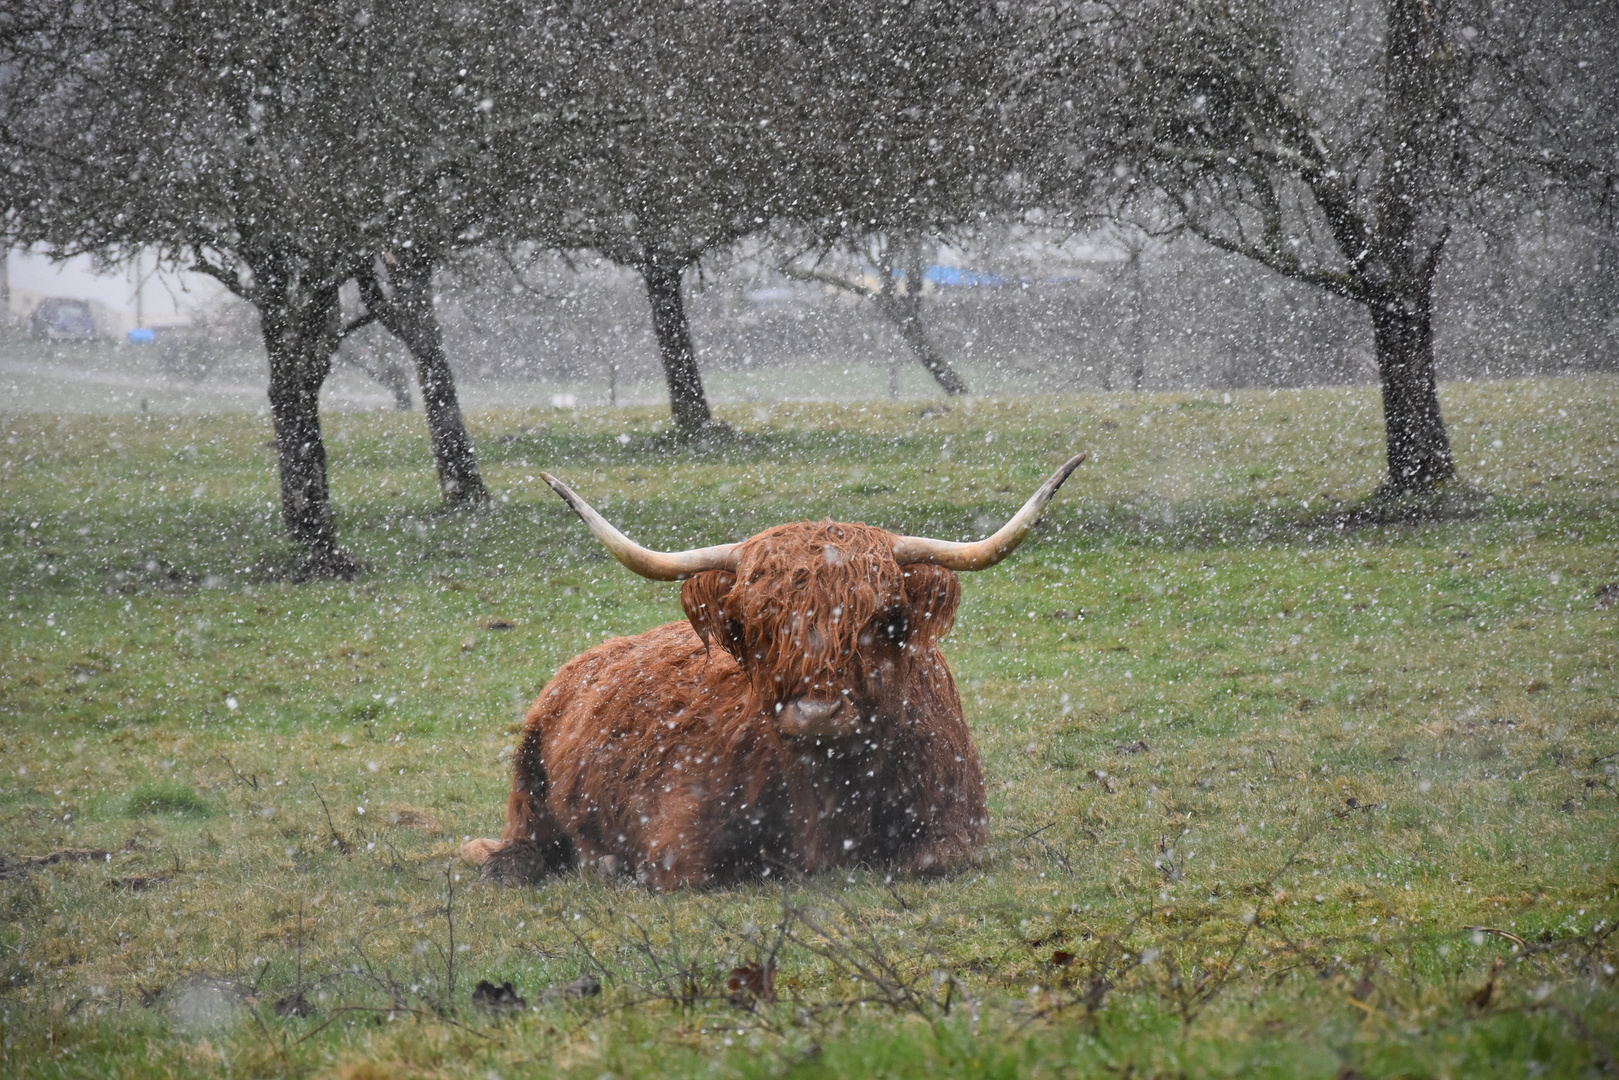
(1269, 797)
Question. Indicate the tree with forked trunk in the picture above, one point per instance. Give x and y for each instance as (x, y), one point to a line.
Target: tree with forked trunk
(200, 132)
(277, 149)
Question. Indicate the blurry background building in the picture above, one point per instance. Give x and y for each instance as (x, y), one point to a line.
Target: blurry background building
(120, 297)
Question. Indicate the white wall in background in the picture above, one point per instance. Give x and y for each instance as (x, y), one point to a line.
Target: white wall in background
(121, 297)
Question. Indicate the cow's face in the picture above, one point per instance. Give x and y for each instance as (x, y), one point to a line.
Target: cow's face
(826, 625)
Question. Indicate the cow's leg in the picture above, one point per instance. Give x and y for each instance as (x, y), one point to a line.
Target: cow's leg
(676, 867)
(524, 860)
(534, 845)
(477, 852)
(940, 856)
(682, 851)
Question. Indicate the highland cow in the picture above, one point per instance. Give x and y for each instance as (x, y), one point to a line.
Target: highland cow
(802, 717)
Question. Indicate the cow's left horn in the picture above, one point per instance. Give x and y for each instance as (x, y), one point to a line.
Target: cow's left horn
(992, 549)
(657, 565)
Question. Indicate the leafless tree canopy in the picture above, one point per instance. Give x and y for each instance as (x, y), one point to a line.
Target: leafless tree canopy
(288, 148)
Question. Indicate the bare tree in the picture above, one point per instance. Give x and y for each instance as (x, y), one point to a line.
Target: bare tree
(898, 265)
(511, 97)
(899, 137)
(363, 356)
(674, 159)
(273, 147)
(1135, 243)
(1339, 144)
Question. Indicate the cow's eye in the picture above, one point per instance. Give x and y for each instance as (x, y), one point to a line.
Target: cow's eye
(892, 626)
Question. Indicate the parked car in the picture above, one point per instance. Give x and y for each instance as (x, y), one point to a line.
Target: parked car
(56, 319)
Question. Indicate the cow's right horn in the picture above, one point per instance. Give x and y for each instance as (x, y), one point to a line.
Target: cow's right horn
(657, 565)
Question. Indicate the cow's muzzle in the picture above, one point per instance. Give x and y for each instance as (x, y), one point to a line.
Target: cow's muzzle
(817, 718)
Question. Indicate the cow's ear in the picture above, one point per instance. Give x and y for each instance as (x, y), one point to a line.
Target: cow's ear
(932, 593)
(703, 596)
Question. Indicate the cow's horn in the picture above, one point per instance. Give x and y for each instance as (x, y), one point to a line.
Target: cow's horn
(992, 549)
(657, 565)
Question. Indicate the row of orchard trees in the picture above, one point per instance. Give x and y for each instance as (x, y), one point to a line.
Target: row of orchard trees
(289, 147)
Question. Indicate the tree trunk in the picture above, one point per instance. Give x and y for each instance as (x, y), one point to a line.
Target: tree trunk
(909, 322)
(904, 310)
(1401, 304)
(688, 405)
(1418, 447)
(1138, 316)
(300, 335)
(408, 314)
(1605, 278)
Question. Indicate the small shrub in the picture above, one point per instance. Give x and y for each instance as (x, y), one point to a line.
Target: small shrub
(167, 798)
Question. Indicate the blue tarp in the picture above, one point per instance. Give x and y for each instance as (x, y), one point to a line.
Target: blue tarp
(944, 276)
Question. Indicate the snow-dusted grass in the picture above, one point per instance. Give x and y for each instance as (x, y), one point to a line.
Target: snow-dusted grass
(1268, 796)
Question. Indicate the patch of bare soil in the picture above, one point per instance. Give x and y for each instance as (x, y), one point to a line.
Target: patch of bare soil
(15, 868)
(716, 437)
(304, 567)
(1452, 501)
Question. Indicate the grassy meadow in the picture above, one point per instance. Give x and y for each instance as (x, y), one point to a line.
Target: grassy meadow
(1270, 795)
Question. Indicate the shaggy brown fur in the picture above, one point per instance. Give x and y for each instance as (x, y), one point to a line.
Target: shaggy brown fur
(824, 730)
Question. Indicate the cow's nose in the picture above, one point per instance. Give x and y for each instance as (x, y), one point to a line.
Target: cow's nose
(811, 716)
(812, 710)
